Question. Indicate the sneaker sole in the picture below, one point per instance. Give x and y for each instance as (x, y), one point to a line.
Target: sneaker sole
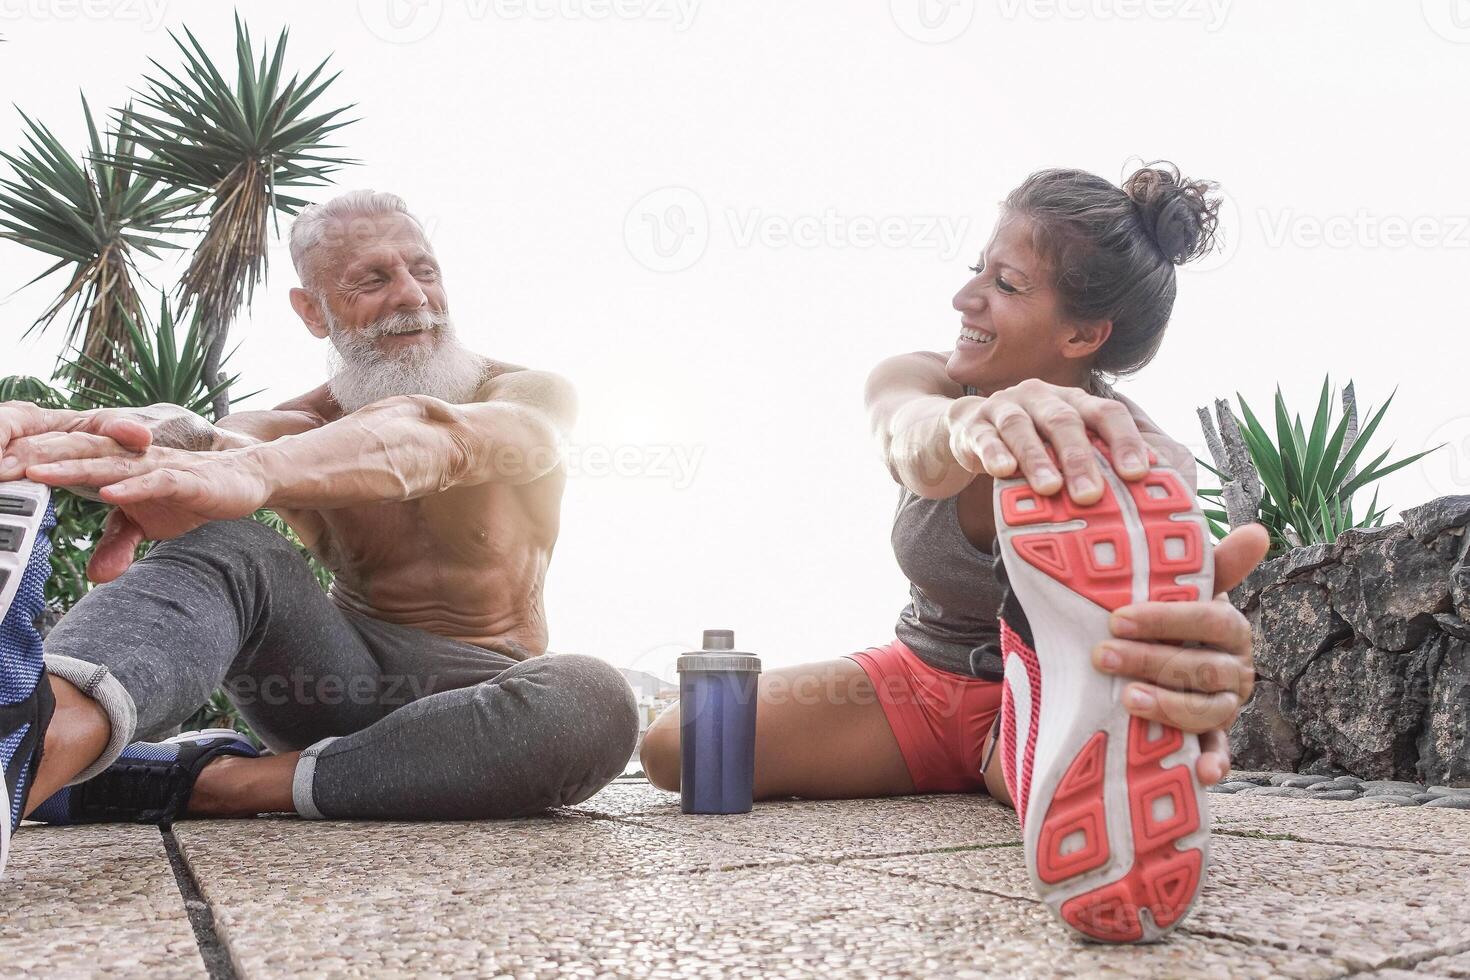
(22, 509)
(1116, 823)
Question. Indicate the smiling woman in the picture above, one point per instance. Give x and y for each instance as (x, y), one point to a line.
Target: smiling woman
(1075, 287)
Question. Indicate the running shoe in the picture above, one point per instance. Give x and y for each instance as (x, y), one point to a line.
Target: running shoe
(26, 702)
(1115, 821)
(149, 783)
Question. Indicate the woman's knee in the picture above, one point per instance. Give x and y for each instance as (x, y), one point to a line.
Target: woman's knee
(660, 753)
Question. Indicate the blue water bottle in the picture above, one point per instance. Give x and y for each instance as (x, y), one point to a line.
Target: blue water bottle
(717, 698)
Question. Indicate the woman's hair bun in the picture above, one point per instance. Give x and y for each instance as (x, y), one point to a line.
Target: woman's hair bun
(1179, 215)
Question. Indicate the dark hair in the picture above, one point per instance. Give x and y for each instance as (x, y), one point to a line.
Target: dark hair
(1113, 250)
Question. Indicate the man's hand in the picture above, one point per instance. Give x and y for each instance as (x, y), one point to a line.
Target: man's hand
(1197, 688)
(160, 494)
(31, 435)
(1011, 429)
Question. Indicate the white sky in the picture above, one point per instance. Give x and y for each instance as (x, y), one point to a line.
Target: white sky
(539, 140)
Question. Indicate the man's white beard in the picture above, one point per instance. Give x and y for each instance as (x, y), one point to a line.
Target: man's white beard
(362, 373)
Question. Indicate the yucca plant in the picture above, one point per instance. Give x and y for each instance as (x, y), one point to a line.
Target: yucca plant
(1299, 484)
(161, 368)
(238, 144)
(92, 215)
(158, 370)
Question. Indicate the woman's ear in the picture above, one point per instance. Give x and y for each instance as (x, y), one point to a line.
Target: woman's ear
(1086, 337)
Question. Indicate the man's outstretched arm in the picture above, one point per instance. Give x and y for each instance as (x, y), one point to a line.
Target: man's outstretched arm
(415, 445)
(396, 449)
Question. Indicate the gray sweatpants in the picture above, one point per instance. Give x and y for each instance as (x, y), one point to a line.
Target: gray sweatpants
(396, 723)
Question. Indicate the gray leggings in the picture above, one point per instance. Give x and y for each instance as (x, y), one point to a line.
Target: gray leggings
(396, 723)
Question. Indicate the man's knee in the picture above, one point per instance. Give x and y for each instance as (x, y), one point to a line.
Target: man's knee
(588, 723)
(604, 714)
(660, 754)
(224, 538)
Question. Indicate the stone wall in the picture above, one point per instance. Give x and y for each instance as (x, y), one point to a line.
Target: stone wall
(1363, 653)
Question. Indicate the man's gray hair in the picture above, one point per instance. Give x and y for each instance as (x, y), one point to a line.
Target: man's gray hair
(311, 225)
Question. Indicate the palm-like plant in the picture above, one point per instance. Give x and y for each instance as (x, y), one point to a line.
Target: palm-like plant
(158, 370)
(91, 215)
(1301, 484)
(238, 144)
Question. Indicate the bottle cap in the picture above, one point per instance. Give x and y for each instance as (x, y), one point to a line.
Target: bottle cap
(719, 654)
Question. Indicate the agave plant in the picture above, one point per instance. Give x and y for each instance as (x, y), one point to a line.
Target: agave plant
(91, 215)
(238, 144)
(158, 370)
(1301, 484)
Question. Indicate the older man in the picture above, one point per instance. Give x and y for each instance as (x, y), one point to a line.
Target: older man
(428, 478)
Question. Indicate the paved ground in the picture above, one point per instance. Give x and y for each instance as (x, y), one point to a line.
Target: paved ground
(626, 885)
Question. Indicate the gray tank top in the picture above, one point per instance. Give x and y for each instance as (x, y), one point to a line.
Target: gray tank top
(952, 619)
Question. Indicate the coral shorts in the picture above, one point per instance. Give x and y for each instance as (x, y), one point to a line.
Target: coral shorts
(940, 719)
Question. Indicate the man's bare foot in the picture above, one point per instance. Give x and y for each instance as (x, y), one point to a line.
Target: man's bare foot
(232, 786)
(151, 782)
(75, 739)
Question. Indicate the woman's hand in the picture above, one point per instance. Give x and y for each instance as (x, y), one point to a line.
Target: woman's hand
(1197, 688)
(1011, 429)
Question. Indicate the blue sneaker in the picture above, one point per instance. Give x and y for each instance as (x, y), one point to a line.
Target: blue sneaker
(149, 783)
(26, 702)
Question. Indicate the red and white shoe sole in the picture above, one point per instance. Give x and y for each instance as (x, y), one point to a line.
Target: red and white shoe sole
(1115, 821)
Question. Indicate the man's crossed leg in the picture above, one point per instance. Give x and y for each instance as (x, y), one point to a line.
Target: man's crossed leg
(366, 719)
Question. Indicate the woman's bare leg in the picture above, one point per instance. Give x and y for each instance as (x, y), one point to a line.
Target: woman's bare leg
(995, 780)
(820, 734)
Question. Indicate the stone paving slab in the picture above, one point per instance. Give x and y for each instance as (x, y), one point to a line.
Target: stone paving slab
(366, 861)
(771, 921)
(629, 798)
(1426, 829)
(1231, 809)
(93, 901)
(851, 828)
(1366, 907)
(1456, 965)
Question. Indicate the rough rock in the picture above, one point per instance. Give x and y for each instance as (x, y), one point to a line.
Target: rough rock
(1363, 653)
